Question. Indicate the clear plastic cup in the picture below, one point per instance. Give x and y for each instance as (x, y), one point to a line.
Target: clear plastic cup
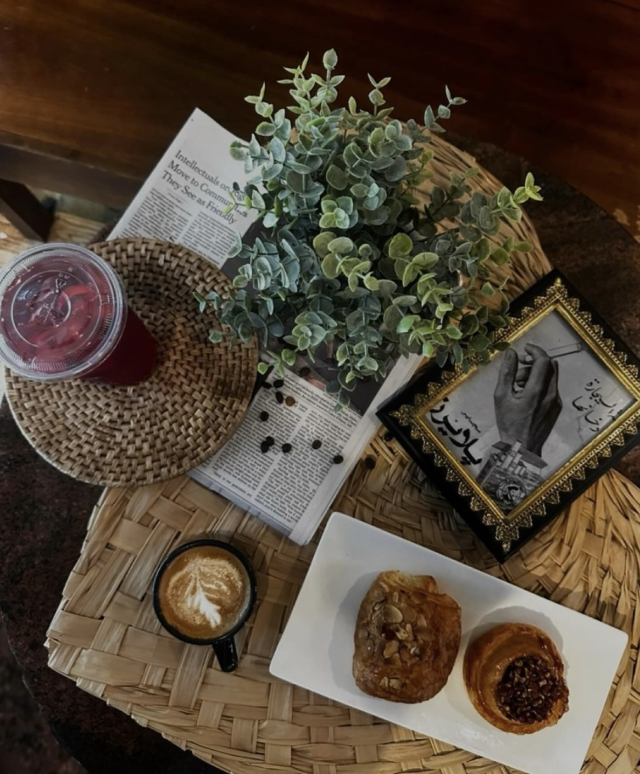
(64, 314)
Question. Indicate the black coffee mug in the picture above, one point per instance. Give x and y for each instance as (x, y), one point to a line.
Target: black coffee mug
(224, 645)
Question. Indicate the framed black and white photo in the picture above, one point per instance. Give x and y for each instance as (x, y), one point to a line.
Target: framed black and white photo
(511, 443)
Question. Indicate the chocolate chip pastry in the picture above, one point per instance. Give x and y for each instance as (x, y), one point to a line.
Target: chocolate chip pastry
(407, 638)
(515, 678)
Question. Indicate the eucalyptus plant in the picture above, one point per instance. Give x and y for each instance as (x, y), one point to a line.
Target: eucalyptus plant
(351, 258)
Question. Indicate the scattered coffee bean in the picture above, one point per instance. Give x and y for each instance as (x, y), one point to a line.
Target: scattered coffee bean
(304, 372)
(290, 400)
(270, 440)
(279, 396)
(316, 444)
(387, 437)
(369, 463)
(264, 447)
(278, 383)
(266, 385)
(286, 448)
(338, 459)
(264, 415)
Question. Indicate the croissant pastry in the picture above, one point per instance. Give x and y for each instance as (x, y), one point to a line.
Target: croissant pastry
(407, 638)
(515, 678)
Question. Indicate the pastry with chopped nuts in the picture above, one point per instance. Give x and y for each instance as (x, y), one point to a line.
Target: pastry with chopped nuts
(407, 638)
(515, 678)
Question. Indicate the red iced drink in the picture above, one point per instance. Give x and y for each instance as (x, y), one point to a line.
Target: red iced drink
(63, 313)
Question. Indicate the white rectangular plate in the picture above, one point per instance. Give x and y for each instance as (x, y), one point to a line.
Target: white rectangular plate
(316, 649)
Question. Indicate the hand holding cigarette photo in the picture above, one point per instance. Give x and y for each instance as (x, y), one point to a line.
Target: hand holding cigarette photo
(527, 402)
(513, 423)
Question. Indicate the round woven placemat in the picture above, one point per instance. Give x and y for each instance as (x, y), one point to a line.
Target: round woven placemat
(173, 421)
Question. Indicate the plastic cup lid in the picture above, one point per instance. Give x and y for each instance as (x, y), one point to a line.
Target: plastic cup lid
(62, 311)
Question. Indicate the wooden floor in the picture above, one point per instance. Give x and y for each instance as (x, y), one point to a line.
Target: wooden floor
(108, 83)
(66, 228)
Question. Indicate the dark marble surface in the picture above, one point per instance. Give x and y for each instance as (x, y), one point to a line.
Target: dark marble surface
(43, 513)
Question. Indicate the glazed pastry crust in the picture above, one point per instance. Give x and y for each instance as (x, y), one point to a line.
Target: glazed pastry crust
(490, 655)
(407, 638)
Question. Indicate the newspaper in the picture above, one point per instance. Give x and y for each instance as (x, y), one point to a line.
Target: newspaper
(183, 201)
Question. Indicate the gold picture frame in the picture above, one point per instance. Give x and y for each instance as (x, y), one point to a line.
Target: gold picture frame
(502, 529)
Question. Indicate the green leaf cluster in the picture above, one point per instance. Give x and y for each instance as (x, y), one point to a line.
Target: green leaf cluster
(348, 258)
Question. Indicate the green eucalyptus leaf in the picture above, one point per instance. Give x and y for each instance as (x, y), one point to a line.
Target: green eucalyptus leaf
(322, 241)
(429, 117)
(330, 265)
(276, 146)
(296, 182)
(337, 178)
(425, 260)
(483, 248)
(404, 300)
(500, 256)
(272, 172)
(479, 343)
(254, 146)
(303, 169)
(392, 317)
(376, 98)
(397, 170)
(270, 220)
(469, 324)
(400, 246)
(453, 332)
(345, 203)
(368, 364)
(409, 274)
(257, 201)
(386, 287)
(330, 59)
(513, 213)
(407, 323)
(328, 220)
(342, 245)
(341, 219)
(427, 349)
(359, 190)
(236, 247)
(265, 129)
(264, 109)
(288, 356)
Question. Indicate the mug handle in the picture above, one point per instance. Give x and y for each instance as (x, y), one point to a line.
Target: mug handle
(226, 654)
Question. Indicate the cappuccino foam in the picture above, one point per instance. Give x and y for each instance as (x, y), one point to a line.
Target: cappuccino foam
(204, 592)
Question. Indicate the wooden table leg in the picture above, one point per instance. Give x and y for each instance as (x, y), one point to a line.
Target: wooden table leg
(24, 211)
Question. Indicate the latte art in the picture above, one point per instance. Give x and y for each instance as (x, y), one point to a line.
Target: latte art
(198, 587)
(204, 592)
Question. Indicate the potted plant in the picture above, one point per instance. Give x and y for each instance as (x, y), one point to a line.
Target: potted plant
(348, 260)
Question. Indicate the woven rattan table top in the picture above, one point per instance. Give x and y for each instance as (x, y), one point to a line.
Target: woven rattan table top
(106, 637)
